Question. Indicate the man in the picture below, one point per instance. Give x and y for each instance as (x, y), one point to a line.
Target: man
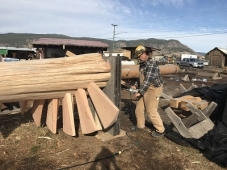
(150, 86)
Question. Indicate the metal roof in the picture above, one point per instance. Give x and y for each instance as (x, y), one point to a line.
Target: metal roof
(17, 49)
(223, 50)
(71, 42)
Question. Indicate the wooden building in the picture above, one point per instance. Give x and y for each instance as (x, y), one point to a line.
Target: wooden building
(17, 53)
(54, 48)
(217, 57)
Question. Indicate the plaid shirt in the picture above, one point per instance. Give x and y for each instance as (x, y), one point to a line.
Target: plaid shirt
(152, 76)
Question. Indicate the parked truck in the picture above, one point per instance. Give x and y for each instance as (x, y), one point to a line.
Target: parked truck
(190, 62)
(188, 56)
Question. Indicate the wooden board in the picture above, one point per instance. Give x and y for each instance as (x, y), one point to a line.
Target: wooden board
(105, 108)
(175, 102)
(201, 128)
(185, 101)
(36, 111)
(87, 122)
(23, 106)
(95, 116)
(178, 123)
(52, 115)
(67, 114)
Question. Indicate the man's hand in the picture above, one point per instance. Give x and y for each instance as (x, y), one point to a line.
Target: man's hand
(137, 95)
(133, 87)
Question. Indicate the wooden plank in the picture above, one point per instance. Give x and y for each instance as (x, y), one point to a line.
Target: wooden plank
(196, 111)
(87, 122)
(166, 96)
(184, 102)
(94, 114)
(105, 108)
(182, 88)
(201, 128)
(194, 117)
(178, 123)
(36, 111)
(52, 115)
(68, 117)
(175, 102)
(186, 78)
(70, 54)
(201, 105)
(209, 110)
(174, 92)
(23, 106)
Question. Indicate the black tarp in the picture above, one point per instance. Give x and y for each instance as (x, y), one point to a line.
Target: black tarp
(213, 145)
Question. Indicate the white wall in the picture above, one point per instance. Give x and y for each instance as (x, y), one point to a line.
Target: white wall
(107, 53)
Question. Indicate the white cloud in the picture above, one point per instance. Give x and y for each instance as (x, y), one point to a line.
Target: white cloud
(89, 18)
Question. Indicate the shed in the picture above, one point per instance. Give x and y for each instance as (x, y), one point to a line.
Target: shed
(217, 57)
(54, 48)
(18, 53)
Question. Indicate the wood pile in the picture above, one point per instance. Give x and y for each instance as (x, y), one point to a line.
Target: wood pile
(58, 80)
(182, 102)
(198, 122)
(51, 78)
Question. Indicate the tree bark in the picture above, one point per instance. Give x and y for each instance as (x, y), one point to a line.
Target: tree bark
(132, 71)
(51, 78)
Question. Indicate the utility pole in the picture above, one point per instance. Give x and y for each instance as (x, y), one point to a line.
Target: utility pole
(113, 35)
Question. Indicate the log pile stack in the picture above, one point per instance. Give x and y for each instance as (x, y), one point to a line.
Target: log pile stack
(57, 81)
(51, 78)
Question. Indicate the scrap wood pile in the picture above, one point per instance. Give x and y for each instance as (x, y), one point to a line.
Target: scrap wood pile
(198, 123)
(57, 79)
(206, 128)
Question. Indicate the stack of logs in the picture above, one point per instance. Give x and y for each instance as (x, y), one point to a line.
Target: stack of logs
(60, 79)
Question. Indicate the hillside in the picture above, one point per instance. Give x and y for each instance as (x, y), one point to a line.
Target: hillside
(168, 47)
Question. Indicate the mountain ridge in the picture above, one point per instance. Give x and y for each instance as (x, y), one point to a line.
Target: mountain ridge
(168, 47)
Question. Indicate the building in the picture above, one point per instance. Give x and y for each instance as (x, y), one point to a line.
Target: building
(114, 53)
(17, 53)
(217, 57)
(54, 48)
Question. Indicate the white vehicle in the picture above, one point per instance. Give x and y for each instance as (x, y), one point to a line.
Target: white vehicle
(188, 56)
(190, 62)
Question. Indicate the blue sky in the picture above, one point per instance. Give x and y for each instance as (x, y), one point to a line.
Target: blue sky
(199, 24)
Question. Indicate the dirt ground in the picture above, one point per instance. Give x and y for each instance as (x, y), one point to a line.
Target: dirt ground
(24, 146)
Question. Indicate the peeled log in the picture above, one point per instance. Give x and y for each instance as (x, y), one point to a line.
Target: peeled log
(51, 78)
(132, 71)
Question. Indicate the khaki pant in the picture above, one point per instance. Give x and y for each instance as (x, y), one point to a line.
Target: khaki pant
(149, 102)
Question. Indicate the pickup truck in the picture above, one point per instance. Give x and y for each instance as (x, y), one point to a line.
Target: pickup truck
(190, 62)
